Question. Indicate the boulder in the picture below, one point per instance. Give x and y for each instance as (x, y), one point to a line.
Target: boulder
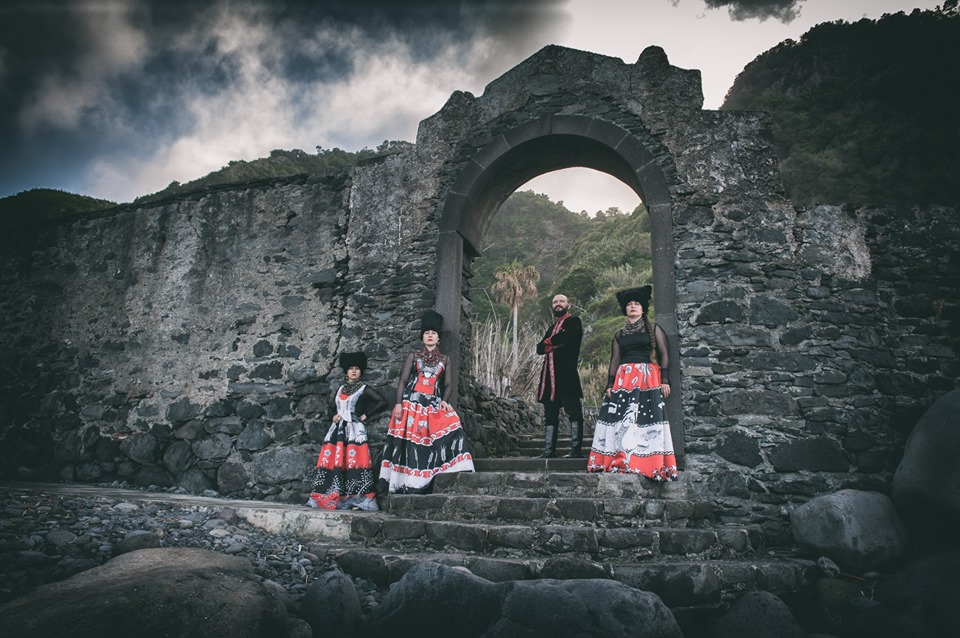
(758, 614)
(136, 540)
(142, 448)
(919, 600)
(454, 598)
(331, 605)
(926, 485)
(859, 530)
(589, 607)
(568, 567)
(444, 597)
(195, 481)
(184, 592)
(281, 464)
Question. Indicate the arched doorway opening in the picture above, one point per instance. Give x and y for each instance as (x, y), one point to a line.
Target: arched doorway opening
(577, 232)
(540, 146)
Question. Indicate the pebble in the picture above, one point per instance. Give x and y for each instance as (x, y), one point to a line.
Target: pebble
(46, 538)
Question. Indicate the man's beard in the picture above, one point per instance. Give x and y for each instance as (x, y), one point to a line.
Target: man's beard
(559, 312)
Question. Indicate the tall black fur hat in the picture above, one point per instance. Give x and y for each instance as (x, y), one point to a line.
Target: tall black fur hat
(431, 320)
(641, 295)
(350, 359)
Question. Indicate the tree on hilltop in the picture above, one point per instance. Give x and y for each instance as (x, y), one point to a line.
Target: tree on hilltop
(515, 282)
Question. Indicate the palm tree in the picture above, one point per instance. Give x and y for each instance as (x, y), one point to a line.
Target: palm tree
(515, 282)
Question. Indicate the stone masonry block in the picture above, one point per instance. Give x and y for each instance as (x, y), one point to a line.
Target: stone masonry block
(686, 541)
(519, 537)
(520, 508)
(628, 537)
(461, 536)
(471, 506)
(557, 538)
(624, 507)
(403, 529)
(581, 509)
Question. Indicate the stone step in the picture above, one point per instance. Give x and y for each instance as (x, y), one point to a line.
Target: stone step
(610, 512)
(513, 477)
(546, 539)
(686, 586)
(531, 464)
(531, 443)
(277, 518)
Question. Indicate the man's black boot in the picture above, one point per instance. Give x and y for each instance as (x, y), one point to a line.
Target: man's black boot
(549, 443)
(576, 440)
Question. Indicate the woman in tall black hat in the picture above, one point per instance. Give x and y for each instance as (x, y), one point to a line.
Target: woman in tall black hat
(632, 433)
(344, 478)
(425, 436)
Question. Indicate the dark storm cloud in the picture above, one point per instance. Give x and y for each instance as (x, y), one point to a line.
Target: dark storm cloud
(94, 78)
(783, 10)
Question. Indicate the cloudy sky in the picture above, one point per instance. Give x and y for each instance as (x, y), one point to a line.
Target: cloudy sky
(117, 98)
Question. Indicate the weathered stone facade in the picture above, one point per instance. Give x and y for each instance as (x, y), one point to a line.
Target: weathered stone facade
(194, 342)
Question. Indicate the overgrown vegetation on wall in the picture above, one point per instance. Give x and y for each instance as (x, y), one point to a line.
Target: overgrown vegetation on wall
(280, 163)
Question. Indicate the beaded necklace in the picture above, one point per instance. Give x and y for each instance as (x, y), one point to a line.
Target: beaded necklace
(430, 357)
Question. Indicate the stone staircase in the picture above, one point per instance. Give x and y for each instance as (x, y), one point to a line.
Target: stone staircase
(522, 518)
(531, 445)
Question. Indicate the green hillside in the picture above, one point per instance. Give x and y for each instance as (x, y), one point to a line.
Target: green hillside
(864, 112)
(41, 204)
(586, 258)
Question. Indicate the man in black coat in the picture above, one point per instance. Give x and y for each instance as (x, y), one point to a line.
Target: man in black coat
(559, 379)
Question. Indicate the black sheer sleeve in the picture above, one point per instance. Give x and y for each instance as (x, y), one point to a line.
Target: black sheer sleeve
(374, 402)
(663, 352)
(447, 383)
(614, 360)
(405, 376)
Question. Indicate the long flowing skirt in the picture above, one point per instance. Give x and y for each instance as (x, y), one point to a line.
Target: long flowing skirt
(632, 433)
(344, 477)
(422, 443)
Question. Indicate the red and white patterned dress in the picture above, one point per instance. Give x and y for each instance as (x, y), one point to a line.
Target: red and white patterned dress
(344, 477)
(632, 433)
(425, 440)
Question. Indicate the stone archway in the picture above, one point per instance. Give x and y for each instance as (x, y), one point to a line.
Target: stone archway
(546, 144)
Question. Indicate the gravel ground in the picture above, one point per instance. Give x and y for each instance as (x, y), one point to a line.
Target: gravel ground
(49, 536)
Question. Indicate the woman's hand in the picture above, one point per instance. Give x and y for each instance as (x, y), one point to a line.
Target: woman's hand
(397, 411)
(336, 418)
(665, 388)
(609, 392)
(446, 407)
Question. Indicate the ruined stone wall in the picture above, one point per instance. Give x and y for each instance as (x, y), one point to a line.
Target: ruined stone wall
(194, 342)
(803, 376)
(188, 342)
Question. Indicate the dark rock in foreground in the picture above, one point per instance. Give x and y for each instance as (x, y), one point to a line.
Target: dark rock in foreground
(433, 595)
(153, 592)
(926, 486)
(758, 614)
(859, 530)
